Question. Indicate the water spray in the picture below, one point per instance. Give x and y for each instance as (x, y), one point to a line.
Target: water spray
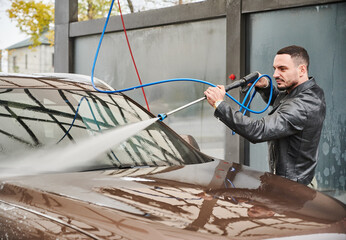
(74, 157)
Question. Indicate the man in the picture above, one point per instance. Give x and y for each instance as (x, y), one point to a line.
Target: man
(293, 126)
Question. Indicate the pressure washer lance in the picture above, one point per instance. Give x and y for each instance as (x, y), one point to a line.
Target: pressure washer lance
(250, 78)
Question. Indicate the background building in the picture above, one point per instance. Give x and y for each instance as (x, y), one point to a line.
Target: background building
(0, 60)
(24, 58)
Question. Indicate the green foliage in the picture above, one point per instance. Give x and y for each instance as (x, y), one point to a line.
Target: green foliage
(93, 9)
(33, 18)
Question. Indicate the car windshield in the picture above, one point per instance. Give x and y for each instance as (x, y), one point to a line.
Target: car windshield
(32, 118)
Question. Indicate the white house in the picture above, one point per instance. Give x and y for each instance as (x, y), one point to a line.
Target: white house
(24, 58)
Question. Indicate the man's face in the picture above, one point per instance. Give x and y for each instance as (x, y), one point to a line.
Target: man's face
(286, 73)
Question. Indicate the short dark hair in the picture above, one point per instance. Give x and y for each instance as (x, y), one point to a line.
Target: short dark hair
(298, 53)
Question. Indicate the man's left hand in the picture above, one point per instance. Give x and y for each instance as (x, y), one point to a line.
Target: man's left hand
(215, 94)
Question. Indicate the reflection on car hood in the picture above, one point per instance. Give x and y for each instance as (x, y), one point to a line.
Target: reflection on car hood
(215, 200)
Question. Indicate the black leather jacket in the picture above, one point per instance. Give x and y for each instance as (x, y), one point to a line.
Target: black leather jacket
(292, 128)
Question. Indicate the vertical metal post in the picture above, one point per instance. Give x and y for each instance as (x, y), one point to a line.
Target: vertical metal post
(66, 11)
(235, 149)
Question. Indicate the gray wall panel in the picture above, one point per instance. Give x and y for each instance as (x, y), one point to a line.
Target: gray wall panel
(322, 31)
(191, 50)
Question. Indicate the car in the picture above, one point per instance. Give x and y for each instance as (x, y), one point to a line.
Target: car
(76, 163)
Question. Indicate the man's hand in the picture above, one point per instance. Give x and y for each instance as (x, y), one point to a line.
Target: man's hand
(215, 94)
(262, 83)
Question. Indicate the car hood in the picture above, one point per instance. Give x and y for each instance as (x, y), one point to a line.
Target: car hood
(215, 200)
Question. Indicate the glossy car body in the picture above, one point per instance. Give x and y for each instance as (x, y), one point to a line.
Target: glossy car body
(153, 185)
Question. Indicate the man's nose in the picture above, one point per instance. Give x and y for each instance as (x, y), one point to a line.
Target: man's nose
(276, 74)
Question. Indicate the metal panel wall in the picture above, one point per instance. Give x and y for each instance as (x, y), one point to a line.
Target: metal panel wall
(189, 50)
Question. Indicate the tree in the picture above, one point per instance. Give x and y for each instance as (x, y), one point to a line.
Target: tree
(129, 2)
(33, 18)
(92, 9)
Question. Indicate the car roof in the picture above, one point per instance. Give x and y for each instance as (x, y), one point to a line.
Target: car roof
(51, 81)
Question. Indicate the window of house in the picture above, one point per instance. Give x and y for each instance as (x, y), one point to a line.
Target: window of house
(14, 63)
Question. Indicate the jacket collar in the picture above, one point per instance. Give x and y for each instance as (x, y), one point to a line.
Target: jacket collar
(302, 87)
(283, 94)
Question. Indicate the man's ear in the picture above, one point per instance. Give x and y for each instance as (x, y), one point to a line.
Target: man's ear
(302, 70)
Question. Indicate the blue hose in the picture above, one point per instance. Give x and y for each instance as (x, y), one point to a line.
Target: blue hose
(198, 81)
(75, 116)
(175, 79)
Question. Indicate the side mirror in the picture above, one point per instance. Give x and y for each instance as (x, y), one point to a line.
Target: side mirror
(191, 140)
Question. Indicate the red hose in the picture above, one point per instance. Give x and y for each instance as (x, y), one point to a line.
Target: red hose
(133, 60)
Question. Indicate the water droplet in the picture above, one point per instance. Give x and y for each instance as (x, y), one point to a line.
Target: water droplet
(325, 148)
(332, 170)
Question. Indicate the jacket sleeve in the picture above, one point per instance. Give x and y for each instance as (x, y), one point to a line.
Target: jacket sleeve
(265, 93)
(288, 119)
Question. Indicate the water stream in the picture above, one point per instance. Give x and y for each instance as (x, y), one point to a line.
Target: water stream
(74, 156)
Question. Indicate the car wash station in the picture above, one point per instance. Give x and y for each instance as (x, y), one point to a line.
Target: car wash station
(210, 119)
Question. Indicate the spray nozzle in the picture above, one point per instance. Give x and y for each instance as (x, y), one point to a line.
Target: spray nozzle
(250, 78)
(161, 116)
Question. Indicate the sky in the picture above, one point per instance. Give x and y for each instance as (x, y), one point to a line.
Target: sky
(10, 34)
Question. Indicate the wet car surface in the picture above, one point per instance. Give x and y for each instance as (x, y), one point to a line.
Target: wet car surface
(152, 185)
